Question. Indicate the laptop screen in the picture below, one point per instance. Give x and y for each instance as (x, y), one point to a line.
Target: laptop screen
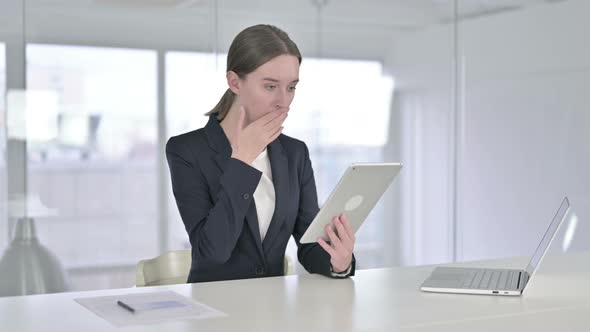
(549, 234)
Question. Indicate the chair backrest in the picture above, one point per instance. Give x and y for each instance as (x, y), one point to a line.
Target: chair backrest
(173, 268)
(167, 269)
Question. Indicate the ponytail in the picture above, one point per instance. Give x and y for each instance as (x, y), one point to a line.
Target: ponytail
(223, 105)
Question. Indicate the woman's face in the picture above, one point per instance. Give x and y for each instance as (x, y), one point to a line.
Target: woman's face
(271, 86)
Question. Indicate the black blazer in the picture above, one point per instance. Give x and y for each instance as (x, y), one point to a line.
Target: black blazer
(214, 194)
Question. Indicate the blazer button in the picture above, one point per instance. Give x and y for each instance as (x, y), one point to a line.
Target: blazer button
(259, 270)
(246, 196)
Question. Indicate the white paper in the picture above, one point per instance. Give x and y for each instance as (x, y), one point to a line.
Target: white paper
(150, 308)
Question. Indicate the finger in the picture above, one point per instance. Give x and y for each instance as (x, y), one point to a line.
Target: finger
(342, 232)
(334, 239)
(326, 247)
(275, 135)
(271, 130)
(347, 227)
(266, 118)
(276, 122)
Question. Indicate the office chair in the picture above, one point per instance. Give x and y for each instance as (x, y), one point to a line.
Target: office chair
(173, 268)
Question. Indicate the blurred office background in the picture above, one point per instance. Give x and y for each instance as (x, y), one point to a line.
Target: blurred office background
(485, 102)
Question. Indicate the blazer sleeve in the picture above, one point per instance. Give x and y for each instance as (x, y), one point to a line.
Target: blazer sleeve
(311, 255)
(213, 228)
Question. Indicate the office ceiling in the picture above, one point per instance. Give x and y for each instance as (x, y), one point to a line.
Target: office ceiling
(394, 13)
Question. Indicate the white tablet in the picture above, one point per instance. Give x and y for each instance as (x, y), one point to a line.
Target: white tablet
(357, 192)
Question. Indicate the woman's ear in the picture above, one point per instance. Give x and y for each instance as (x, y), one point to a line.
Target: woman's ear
(233, 81)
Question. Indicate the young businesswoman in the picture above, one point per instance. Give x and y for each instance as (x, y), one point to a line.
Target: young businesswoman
(242, 187)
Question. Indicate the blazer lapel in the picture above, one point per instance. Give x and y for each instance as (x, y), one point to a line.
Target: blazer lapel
(280, 178)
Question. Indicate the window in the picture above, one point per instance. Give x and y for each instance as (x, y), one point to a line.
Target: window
(93, 156)
(194, 84)
(362, 119)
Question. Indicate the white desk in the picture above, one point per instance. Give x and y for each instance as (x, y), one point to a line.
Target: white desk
(373, 300)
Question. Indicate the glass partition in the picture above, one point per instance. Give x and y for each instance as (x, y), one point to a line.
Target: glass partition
(483, 103)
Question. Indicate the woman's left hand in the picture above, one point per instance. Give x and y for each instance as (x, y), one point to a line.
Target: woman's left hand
(341, 243)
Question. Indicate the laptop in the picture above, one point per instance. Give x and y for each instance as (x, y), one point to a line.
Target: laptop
(355, 195)
(494, 281)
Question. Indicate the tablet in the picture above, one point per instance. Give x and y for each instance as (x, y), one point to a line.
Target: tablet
(357, 192)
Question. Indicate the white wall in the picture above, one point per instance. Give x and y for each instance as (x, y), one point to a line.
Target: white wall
(527, 125)
(524, 136)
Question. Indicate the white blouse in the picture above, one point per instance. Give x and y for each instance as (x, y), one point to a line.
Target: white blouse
(264, 195)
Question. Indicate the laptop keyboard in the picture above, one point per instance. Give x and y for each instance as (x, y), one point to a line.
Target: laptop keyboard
(492, 279)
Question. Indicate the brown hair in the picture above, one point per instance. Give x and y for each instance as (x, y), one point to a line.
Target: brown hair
(250, 49)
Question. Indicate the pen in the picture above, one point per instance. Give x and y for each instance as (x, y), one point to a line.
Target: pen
(126, 306)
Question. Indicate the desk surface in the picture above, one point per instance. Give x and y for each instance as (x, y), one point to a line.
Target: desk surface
(557, 299)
